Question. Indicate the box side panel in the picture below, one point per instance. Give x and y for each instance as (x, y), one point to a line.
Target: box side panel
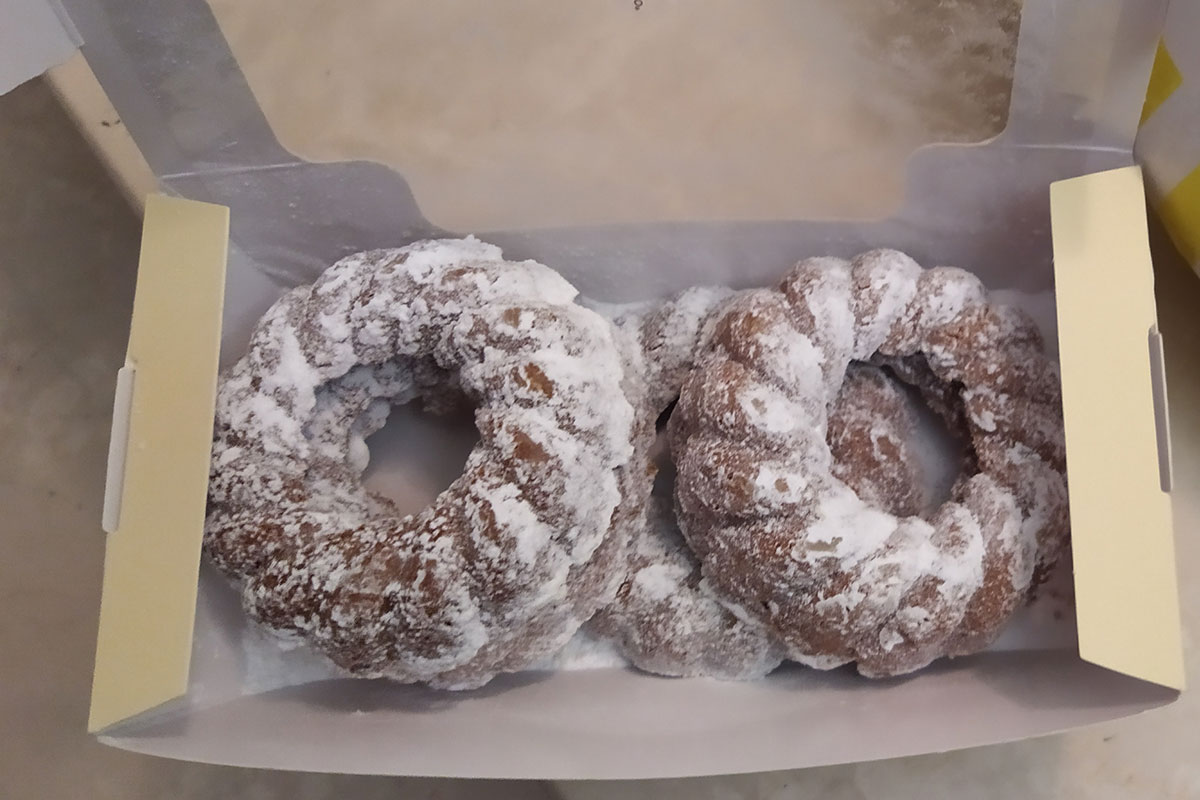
(152, 555)
(1122, 537)
(619, 724)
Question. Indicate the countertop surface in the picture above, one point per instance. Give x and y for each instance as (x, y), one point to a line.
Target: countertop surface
(68, 248)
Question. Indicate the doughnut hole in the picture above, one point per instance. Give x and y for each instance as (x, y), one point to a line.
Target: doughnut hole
(942, 455)
(891, 447)
(418, 454)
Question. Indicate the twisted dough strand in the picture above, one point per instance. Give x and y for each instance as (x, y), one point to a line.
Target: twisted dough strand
(786, 543)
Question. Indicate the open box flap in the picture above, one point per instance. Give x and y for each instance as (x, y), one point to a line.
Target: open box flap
(35, 36)
(158, 462)
(1127, 602)
(195, 96)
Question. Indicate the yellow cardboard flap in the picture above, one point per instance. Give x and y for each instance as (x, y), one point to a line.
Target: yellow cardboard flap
(155, 508)
(1127, 601)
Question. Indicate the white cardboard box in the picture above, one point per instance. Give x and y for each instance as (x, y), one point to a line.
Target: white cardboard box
(173, 675)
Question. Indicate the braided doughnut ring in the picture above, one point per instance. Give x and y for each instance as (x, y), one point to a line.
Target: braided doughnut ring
(664, 619)
(786, 543)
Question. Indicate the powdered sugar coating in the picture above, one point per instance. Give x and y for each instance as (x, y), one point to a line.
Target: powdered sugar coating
(662, 617)
(785, 542)
(670, 336)
(871, 434)
(514, 556)
(665, 618)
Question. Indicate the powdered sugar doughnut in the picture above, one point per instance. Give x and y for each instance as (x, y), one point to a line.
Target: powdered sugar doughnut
(514, 556)
(662, 618)
(788, 544)
(666, 620)
(671, 335)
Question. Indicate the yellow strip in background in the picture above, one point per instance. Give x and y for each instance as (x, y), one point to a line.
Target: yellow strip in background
(1180, 214)
(152, 556)
(1165, 78)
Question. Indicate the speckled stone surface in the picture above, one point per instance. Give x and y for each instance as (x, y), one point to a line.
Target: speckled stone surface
(68, 246)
